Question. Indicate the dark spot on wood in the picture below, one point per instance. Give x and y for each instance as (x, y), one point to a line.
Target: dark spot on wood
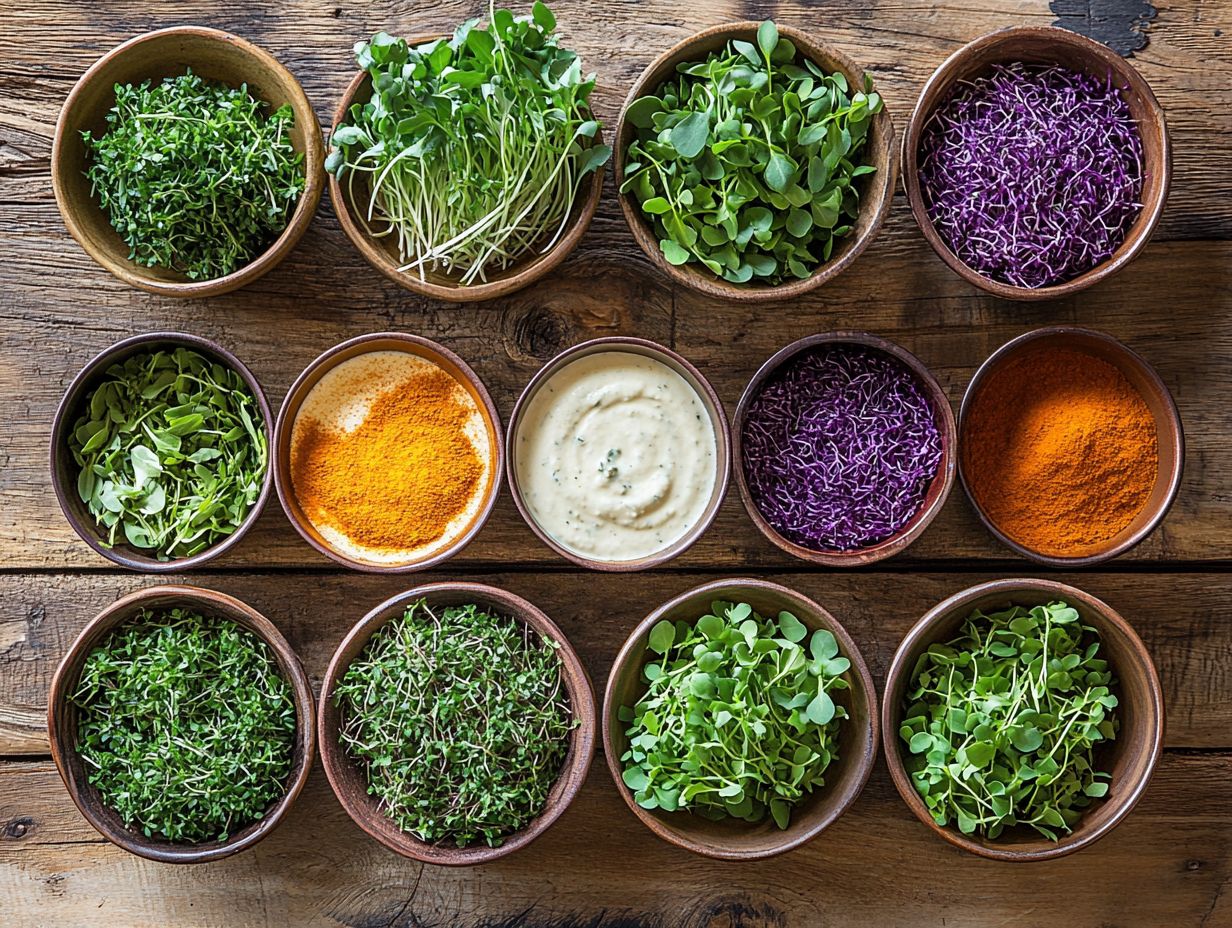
(17, 828)
(539, 333)
(1119, 24)
(337, 12)
(739, 912)
(1194, 864)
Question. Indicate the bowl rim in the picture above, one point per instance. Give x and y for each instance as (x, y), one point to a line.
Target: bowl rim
(921, 632)
(1147, 220)
(314, 161)
(284, 432)
(582, 703)
(528, 270)
(211, 602)
(881, 193)
(718, 419)
(946, 427)
(67, 409)
(633, 650)
(1175, 438)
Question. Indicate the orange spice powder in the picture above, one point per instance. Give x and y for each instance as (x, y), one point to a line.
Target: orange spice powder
(1061, 451)
(396, 481)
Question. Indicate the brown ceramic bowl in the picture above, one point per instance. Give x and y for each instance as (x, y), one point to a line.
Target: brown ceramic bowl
(1131, 758)
(1167, 421)
(938, 490)
(284, 430)
(382, 253)
(1045, 45)
(710, 400)
(217, 56)
(62, 722)
(349, 781)
(733, 839)
(64, 470)
(876, 190)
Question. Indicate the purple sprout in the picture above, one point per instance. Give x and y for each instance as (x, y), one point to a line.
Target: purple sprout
(839, 447)
(1032, 174)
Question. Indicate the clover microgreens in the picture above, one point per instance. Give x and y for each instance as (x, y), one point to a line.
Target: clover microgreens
(460, 719)
(746, 161)
(185, 725)
(195, 176)
(1002, 723)
(738, 718)
(172, 452)
(474, 147)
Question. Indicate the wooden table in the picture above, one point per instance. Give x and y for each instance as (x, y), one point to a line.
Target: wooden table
(1167, 865)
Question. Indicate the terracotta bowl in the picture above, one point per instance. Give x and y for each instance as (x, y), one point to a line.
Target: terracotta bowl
(62, 722)
(284, 431)
(876, 190)
(1158, 400)
(711, 402)
(349, 781)
(382, 253)
(1131, 758)
(938, 489)
(64, 469)
(734, 839)
(217, 56)
(1045, 45)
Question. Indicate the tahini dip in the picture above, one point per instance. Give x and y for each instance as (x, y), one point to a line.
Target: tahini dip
(342, 398)
(616, 456)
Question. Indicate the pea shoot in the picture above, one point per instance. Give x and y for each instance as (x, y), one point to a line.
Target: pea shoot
(185, 725)
(460, 719)
(739, 717)
(1004, 721)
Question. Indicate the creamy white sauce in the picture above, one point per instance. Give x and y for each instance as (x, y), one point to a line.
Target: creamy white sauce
(616, 456)
(342, 399)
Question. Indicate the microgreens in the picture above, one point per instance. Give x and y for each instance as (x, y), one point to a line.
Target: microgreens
(461, 720)
(171, 450)
(746, 161)
(738, 718)
(1003, 722)
(185, 725)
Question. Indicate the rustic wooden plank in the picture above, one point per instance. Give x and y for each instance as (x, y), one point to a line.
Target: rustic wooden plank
(1181, 617)
(599, 867)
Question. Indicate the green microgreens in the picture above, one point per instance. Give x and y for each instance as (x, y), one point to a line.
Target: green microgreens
(172, 452)
(473, 148)
(746, 161)
(193, 174)
(185, 725)
(461, 720)
(738, 717)
(1003, 721)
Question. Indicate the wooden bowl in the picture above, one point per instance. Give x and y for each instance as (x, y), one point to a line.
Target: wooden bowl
(733, 839)
(718, 420)
(349, 781)
(62, 722)
(876, 190)
(217, 56)
(382, 253)
(1158, 400)
(938, 489)
(1045, 45)
(285, 428)
(1131, 758)
(64, 469)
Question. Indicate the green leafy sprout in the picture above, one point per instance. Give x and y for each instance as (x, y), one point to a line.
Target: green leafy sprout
(194, 175)
(171, 451)
(471, 150)
(738, 718)
(460, 719)
(746, 162)
(1003, 722)
(185, 725)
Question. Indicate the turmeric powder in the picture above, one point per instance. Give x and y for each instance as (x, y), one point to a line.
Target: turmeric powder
(1060, 451)
(402, 475)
